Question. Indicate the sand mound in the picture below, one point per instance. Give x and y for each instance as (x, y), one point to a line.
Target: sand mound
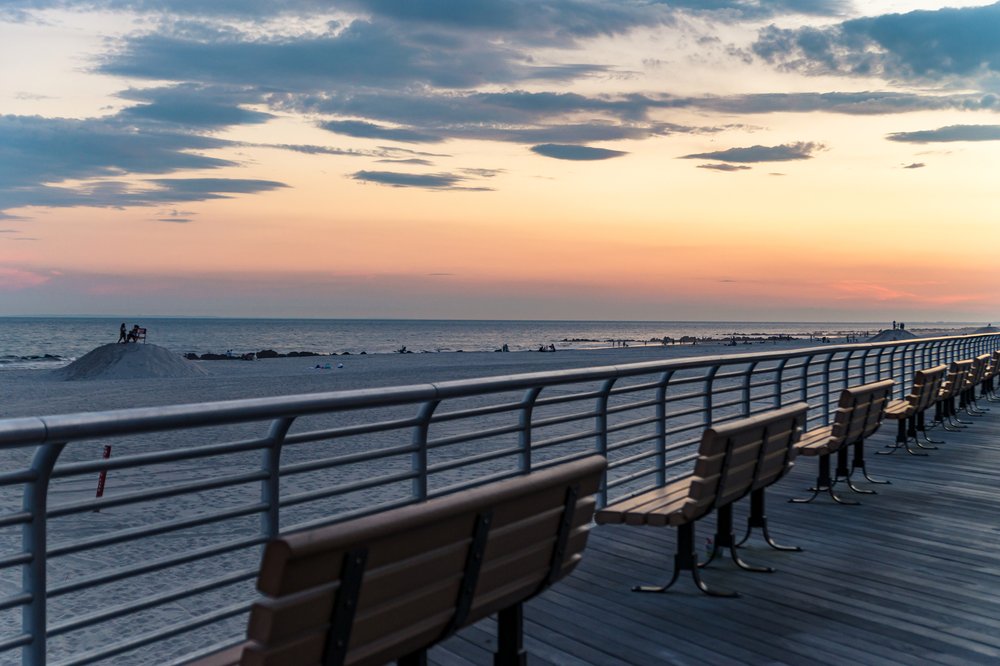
(129, 361)
(891, 335)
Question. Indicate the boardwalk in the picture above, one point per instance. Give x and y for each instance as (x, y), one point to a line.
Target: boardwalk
(910, 576)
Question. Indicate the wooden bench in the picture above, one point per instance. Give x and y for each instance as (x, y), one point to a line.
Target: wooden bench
(734, 459)
(859, 414)
(909, 411)
(389, 586)
(944, 411)
(988, 387)
(976, 376)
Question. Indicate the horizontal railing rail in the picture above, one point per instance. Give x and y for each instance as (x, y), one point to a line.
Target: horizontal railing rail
(163, 563)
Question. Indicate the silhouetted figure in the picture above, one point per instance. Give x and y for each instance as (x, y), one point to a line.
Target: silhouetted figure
(133, 335)
(122, 334)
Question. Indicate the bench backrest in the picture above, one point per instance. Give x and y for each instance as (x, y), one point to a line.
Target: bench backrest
(978, 371)
(860, 411)
(376, 588)
(953, 384)
(739, 456)
(926, 386)
(991, 371)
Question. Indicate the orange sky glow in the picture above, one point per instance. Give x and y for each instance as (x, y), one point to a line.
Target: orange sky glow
(387, 160)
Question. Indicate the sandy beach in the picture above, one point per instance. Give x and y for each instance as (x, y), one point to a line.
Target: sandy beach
(41, 392)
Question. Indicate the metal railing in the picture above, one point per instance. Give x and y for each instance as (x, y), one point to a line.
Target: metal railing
(162, 567)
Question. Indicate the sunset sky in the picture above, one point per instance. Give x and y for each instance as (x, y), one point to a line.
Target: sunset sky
(807, 160)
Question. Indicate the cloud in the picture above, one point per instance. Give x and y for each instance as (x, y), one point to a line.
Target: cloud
(949, 134)
(578, 153)
(915, 165)
(411, 160)
(317, 150)
(850, 103)
(121, 194)
(35, 149)
(12, 279)
(176, 216)
(783, 153)
(921, 45)
(362, 54)
(64, 162)
(365, 130)
(724, 167)
(562, 21)
(192, 106)
(426, 181)
(483, 173)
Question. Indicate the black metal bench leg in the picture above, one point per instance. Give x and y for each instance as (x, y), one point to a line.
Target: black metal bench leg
(844, 474)
(510, 637)
(724, 538)
(954, 411)
(913, 428)
(858, 462)
(922, 429)
(758, 518)
(686, 560)
(823, 482)
(907, 430)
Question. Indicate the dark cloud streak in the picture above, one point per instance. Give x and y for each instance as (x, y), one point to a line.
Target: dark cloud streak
(949, 134)
(575, 153)
(802, 150)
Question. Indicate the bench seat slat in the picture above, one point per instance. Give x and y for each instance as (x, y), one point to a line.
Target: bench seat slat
(615, 513)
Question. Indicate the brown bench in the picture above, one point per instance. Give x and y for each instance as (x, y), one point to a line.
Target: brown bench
(976, 376)
(734, 459)
(953, 384)
(909, 411)
(987, 389)
(859, 414)
(389, 586)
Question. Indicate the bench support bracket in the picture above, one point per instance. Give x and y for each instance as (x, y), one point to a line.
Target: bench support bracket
(758, 518)
(686, 560)
(339, 637)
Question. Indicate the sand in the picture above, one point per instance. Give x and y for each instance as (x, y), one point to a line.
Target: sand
(129, 361)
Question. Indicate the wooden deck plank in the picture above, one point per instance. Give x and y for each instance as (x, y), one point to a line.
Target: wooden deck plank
(911, 575)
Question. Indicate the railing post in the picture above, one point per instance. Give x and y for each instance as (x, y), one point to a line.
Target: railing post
(418, 459)
(601, 435)
(779, 387)
(706, 400)
(34, 537)
(745, 394)
(270, 487)
(524, 434)
(661, 428)
(826, 389)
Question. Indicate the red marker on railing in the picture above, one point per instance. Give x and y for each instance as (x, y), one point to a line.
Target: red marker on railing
(104, 474)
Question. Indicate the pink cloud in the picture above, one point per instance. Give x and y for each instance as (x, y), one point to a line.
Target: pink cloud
(14, 279)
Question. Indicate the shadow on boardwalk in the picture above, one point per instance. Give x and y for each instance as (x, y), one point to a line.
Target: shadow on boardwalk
(912, 575)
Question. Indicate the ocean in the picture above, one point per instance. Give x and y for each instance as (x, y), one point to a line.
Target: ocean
(27, 342)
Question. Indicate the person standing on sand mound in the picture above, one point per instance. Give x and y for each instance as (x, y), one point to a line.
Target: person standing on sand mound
(122, 335)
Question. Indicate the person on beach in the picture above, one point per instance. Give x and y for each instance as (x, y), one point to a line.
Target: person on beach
(122, 335)
(133, 335)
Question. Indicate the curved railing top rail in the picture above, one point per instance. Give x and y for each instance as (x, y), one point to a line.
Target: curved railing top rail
(32, 431)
